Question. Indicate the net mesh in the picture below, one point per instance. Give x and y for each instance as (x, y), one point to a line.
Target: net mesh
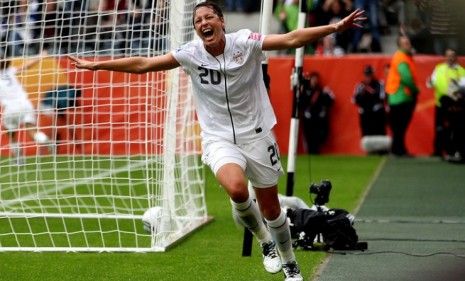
(116, 144)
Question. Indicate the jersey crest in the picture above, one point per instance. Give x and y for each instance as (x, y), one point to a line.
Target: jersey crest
(238, 57)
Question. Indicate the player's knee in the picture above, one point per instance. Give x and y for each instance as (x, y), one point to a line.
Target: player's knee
(238, 191)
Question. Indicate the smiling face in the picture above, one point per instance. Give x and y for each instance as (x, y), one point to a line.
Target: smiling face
(209, 26)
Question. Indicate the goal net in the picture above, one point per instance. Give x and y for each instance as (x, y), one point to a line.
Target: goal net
(100, 148)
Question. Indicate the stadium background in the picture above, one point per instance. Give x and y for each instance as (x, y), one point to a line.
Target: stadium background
(121, 104)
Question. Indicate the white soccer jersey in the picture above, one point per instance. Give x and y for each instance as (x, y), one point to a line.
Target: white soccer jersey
(11, 91)
(230, 96)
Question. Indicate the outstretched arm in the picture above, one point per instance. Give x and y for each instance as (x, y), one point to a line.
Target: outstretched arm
(303, 36)
(130, 64)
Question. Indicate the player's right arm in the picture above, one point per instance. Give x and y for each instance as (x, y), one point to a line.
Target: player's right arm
(131, 64)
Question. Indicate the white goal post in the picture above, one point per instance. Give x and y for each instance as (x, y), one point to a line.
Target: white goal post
(117, 144)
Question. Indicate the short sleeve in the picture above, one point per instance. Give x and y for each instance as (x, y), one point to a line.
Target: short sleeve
(253, 40)
(183, 55)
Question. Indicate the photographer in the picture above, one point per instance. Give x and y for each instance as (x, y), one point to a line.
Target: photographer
(454, 111)
(445, 82)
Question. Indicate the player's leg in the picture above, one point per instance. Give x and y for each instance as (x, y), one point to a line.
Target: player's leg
(279, 228)
(263, 170)
(16, 151)
(28, 118)
(228, 165)
(11, 122)
(246, 212)
(40, 137)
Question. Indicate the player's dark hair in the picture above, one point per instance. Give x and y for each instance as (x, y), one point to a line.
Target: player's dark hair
(215, 7)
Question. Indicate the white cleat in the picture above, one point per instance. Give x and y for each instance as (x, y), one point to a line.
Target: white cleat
(271, 259)
(292, 272)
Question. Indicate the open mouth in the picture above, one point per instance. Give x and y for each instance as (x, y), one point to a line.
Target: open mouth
(207, 32)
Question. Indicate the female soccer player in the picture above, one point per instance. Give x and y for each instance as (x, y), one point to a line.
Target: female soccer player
(17, 108)
(236, 117)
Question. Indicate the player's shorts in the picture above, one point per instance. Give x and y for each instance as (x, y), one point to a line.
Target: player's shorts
(259, 159)
(17, 114)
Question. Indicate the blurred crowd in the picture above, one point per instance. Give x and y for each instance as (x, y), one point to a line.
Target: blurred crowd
(432, 25)
(128, 26)
(101, 26)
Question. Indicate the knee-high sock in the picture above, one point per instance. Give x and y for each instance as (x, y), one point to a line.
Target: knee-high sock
(16, 150)
(248, 215)
(279, 229)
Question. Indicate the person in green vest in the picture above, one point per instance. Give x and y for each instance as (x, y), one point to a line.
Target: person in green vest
(401, 87)
(444, 81)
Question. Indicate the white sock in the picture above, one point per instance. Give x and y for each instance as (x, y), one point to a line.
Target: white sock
(248, 215)
(279, 229)
(15, 149)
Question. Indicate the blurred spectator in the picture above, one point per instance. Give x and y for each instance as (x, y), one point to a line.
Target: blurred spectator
(315, 103)
(372, 9)
(56, 22)
(454, 109)
(442, 23)
(392, 13)
(445, 82)
(402, 90)
(138, 16)
(287, 12)
(235, 5)
(327, 11)
(19, 26)
(327, 47)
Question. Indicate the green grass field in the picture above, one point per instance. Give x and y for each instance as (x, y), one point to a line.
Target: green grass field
(213, 252)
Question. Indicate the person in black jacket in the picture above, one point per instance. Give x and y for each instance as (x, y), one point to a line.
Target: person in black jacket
(315, 104)
(370, 99)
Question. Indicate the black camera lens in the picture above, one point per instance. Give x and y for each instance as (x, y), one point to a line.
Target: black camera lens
(321, 191)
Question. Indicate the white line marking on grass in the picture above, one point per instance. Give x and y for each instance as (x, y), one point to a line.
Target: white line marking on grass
(61, 187)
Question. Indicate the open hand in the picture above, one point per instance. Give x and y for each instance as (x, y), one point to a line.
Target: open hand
(80, 63)
(355, 19)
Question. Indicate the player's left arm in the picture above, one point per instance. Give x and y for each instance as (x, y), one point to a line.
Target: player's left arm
(301, 37)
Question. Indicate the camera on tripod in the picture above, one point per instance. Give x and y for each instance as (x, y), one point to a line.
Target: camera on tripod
(321, 190)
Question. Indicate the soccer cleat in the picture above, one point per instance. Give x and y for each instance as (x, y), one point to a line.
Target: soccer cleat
(271, 259)
(292, 272)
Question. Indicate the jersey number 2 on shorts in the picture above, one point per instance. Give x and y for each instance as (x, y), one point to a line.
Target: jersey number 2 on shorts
(274, 154)
(209, 74)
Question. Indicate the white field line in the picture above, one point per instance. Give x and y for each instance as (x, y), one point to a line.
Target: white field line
(61, 187)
